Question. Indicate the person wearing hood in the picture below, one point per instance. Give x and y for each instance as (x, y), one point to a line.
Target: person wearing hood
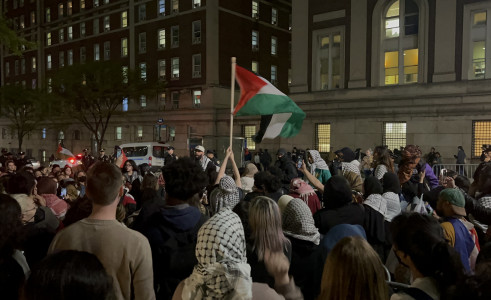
(302, 190)
(247, 180)
(298, 225)
(172, 231)
(350, 168)
(375, 213)
(339, 207)
(286, 165)
(318, 166)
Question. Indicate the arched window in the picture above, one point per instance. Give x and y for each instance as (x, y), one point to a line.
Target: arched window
(399, 45)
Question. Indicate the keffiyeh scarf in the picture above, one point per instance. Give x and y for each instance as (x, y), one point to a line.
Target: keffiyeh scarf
(302, 189)
(226, 196)
(222, 270)
(378, 203)
(318, 162)
(298, 222)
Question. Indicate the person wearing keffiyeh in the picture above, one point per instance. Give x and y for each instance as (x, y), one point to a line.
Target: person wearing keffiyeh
(227, 195)
(318, 166)
(222, 271)
(375, 212)
(301, 189)
(298, 226)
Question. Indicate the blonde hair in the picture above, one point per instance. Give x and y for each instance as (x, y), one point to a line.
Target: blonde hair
(353, 270)
(265, 225)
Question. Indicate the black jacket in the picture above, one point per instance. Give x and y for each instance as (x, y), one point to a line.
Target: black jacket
(325, 219)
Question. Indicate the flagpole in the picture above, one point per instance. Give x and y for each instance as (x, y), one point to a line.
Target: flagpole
(232, 95)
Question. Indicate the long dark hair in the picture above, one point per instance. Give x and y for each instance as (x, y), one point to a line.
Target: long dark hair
(133, 164)
(11, 228)
(382, 158)
(421, 237)
(69, 274)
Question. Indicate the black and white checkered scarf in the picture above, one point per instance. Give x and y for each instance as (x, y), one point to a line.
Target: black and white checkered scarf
(226, 196)
(222, 270)
(298, 222)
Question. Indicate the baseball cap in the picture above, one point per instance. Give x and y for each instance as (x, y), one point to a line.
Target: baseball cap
(199, 148)
(456, 199)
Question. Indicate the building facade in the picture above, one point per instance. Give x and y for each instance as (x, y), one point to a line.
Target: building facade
(186, 43)
(393, 72)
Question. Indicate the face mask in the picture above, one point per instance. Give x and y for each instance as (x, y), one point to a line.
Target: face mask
(82, 179)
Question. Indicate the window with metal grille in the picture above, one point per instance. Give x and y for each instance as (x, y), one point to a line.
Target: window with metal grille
(394, 135)
(481, 135)
(249, 131)
(323, 137)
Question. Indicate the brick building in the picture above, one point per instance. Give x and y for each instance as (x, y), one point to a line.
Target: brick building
(186, 43)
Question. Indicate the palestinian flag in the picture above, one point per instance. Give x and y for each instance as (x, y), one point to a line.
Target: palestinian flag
(280, 116)
(65, 151)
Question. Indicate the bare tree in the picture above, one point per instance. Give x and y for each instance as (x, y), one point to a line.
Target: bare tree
(91, 93)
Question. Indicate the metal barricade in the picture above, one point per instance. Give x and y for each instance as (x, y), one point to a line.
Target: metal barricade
(462, 169)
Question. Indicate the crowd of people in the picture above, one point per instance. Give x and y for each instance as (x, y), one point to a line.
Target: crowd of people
(371, 226)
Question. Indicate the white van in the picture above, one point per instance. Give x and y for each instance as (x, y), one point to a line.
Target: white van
(151, 153)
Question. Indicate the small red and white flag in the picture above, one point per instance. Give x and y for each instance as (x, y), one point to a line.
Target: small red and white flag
(64, 151)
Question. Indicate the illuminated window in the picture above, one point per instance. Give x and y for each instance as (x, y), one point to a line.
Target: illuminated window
(124, 47)
(124, 73)
(254, 66)
(249, 132)
(255, 40)
(107, 23)
(175, 6)
(97, 54)
(125, 104)
(69, 8)
(162, 100)
(143, 71)
(161, 7)
(124, 19)
(196, 3)
(48, 15)
(33, 18)
(161, 39)
(400, 29)
(175, 67)
(274, 72)
(394, 135)
(70, 33)
(481, 135)
(48, 62)
(48, 39)
(274, 45)
(197, 98)
(255, 9)
(119, 133)
(82, 4)
(43, 134)
(140, 131)
(33, 64)
(323, 137)
(60, 10)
